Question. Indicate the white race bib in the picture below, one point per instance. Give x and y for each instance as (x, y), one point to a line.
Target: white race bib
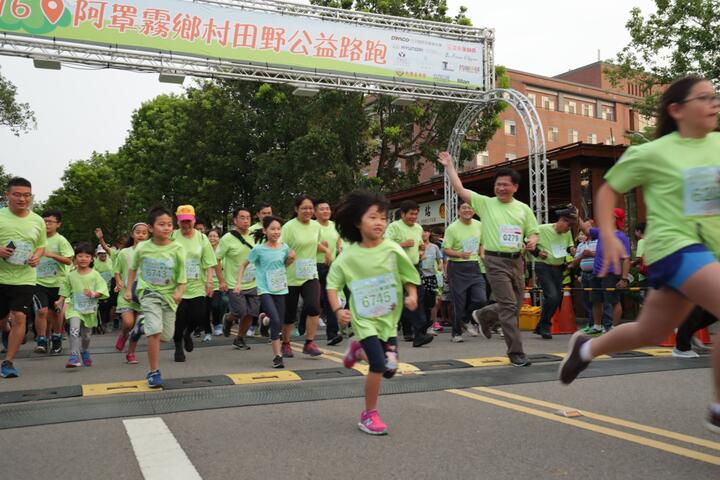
(192, 269)
(306, 268)
(107, 276)
(471, 245)
(702, 191)
(511, 236)
(22, 253)
(157, 271)
(249, 273)
(47, 268)
(374, 297)
(276, 279)
(559, 251)
(84, 304)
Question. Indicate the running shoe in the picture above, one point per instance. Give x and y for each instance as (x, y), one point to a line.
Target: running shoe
(264, 320)
(421, 340)
(240, 344)
(86, 359)
(251, 332)
(277, 362)
(712, 422)
(697, 343)
(593, 330)
(286, 350)
(322, 323)
(197, 334)
(41, 346)
(481, 318)
(519, 360)
(207, 338)
(351, 355)
(335, 340)
(311, 349)
(227, 325)
(130, 358)
(371, 423)
(179, 355)
(154, 379)
(56, 344)
(8, 370)
(472, 329)
(188, 341)
(573, 364)
(217, 330)
(120, 343)
(684, 353)
(138, 329)
(457, 339)
(73, 361)
(437, 327)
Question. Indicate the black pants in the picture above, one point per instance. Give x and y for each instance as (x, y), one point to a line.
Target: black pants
(274, 307)
(550, 280)
(467, 292)
(429, 303)
(330, 318)
(375, 350)
(190, 313)
(310, 292)
(104, 311)
(697, 320)
(415, 323)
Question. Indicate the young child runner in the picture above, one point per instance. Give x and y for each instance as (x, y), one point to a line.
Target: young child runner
(679, 174)
(430, 265)
(129, 310)
(218, 302)
(270, 258)
(376, 271)
(104, 266)
(160, 264)
(80, 292)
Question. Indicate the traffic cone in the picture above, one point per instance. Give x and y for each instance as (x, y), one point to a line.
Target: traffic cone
(669, 341)
(564, 319)
(704, 336)
(527, 299)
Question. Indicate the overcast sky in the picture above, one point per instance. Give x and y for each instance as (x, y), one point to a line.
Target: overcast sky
(81, 111)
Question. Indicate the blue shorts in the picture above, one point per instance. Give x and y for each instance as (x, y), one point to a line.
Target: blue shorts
(674, 270)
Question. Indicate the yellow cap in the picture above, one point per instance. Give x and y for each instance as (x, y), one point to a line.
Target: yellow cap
(185, 212)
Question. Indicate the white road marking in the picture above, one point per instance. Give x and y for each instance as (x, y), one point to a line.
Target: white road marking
(158, 453)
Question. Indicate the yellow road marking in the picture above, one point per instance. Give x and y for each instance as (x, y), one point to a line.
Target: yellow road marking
(403, 368)
(629, 437)
(94, 389)
(656, 352)
(604, 418)
(264, 377)
(485, 361)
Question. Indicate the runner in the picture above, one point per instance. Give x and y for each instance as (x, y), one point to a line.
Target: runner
(263, 210)
(376, 271)
(302, 235)
(50, 276)
(330, 238)
(270, 259)
(233, 250)
(22, 240)
(430, 266)
(509, 228)
(159, 267)
(218, 303)
(79, 294)
(467, 285)
(679, 174)
(200, 261)
(103, 265)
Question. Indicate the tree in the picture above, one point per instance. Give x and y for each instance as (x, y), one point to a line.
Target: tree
(679, 38)
(16, 116)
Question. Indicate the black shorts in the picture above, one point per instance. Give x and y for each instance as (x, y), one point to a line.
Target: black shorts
(603, 296)
(47, 296)
(16, 298)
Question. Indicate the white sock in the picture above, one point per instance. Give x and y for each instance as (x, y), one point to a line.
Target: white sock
(715, 407)
(585, 354)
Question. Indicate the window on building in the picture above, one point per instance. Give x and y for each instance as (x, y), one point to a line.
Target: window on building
(571, 107)
(532, 98)
(610, 140)
(482, 159)
(510, 128)
(573, 136)
(553, 134)
(548, 104)
(592, 138)
(510, 156)
(608, 113)
(398, 166)
(587, 110)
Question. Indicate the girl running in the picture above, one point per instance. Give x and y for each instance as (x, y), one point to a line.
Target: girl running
(679, 174)
(430, 265)
(159, 266)
(80, 292)
(270, 259)
(376, 271)
(129, 310)
(218, 303)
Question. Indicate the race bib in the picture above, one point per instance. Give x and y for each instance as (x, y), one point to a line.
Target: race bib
(702, 191)
(249, 273)
(192, 269)
(22, 252)
(305, 269)
(157, 271)
(559, 251)
(511, 236)
(276, 279)
(107, 276)
(471, 245)
(47, 268)
(374, 297)
(84, 304)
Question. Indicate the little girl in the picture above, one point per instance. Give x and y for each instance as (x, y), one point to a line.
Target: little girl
(270, 257)
(375, 271)
(80, 291)
(160, 287)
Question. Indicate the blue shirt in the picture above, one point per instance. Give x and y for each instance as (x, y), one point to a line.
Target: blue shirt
(595, 235)
(270, 272)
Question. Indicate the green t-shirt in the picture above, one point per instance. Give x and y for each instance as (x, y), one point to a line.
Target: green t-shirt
(78, 304)
(51, 273)
(232, 253)
(28, 234)
(505, 226)
(255, 226)
(639, 253)
(329, 234)
(105, 269)
(123, 260)
(679, 180)
(554, 244)
(375, 277)
(199, 256)
(400, 232)
(161, 269)
(464, 238)
(303, 238)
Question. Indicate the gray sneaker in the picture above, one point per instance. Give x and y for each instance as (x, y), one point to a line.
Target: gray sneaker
(481, 318)
(684, 354)
(472, 329)
(457, 339)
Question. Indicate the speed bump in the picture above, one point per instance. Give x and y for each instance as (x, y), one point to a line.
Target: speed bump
(486, 361)
(138, 386)
(656, 352)
(264, 377)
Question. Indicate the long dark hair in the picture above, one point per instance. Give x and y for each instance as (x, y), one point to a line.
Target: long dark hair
(351, 209)
(259, 234)
(677, 92)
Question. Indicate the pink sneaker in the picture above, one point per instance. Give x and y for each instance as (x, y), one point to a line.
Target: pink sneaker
(437, 327)
(130, 358)
(371, 423)
(120, 344)
(351, 354)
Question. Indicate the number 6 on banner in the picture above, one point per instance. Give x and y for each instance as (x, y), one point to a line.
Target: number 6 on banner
(20, 10)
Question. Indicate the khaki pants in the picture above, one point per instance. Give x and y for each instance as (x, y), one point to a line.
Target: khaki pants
(508, 286)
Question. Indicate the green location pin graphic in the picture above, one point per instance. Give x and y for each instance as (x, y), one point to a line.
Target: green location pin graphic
(53, 9)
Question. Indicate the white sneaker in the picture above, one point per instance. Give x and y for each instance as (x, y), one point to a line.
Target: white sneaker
(457, 339)
(688, 354)
(217, 331)
(697, 343)
(250, 332)
(207, 338)
(472, 329)
(322, 323)
(264, 320)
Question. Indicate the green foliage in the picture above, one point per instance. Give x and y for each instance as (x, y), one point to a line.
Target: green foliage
(36, 23)
(16, 116)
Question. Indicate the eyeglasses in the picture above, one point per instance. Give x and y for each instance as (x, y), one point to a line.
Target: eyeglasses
(51, 221)
(21, 195)
(706, 99)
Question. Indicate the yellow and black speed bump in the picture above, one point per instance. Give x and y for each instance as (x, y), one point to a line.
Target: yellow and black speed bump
(544, 358)
(630, 354)
(325, 373)
(440, 365)
(197, 382)
(41, 394)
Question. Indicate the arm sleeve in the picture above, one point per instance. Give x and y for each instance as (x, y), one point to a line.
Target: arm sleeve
(253, 255)
(118, 263)
(208, 256)
(136, 258)
(628, 172)
(407, 271)
(478, 203)
(336, 277)
(449, 240)
(393, 234)
(101, 286)
(531, 226)
(180, 274)
(65, 288)
(594, 233)
(66, 249)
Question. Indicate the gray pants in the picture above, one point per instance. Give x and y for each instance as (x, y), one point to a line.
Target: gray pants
(77, 333)
(467, 290)
(508, 286)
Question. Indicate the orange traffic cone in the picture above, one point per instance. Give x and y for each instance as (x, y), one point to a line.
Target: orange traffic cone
(704, 336)
(669, 341)
(527, 299)
(564, 319)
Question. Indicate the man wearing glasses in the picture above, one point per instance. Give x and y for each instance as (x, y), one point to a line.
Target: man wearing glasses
(22, 242)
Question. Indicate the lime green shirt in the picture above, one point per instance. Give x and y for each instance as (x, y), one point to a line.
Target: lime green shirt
(255, 226)
(375, 277)
(329, 234)
(464, 238)
(639, 253)
(122, 263)
(400, 232)
(233, 253)
(679, 180)
(303, 238)
(554, 244)
(78, 304)
(505, 226)
(28, 234)
(105, 269)
(51, 273)
(161, 269)
(199, 256)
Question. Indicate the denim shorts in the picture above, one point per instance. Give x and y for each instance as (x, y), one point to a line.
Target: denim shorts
(674, 270)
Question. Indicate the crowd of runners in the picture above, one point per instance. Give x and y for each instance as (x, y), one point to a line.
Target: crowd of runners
(369, 279)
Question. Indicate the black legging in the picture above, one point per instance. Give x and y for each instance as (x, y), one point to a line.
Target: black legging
(375, 350)
(189, 314)
(697, 320)
(274, 307)
(310, 292)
